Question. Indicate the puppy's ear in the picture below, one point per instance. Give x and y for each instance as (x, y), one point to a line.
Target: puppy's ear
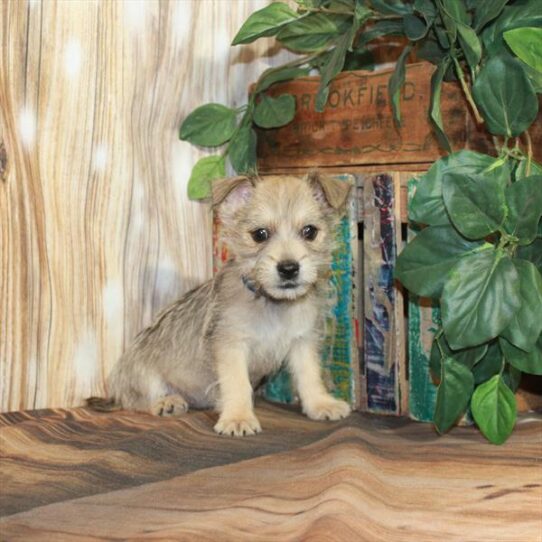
(231, 193)
(329, 190)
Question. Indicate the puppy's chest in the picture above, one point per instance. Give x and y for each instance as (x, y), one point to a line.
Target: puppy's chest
(273, 330)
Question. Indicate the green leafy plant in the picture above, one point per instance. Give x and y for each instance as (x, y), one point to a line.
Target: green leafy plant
(480, 250)
(479, 255)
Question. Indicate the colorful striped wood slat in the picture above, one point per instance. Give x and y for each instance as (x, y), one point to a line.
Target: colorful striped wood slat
(384, 377)
(423, 322)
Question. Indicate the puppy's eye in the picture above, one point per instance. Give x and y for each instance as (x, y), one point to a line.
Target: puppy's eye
(260, 235)
(309, 232)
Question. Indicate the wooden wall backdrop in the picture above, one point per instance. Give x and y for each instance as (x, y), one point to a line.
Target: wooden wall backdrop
(96, 230)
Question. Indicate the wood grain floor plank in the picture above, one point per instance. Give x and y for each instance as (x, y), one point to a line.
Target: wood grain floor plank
(365, 478)
(55, 455)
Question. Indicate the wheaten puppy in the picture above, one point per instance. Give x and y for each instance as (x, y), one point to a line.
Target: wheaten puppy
(265, 307)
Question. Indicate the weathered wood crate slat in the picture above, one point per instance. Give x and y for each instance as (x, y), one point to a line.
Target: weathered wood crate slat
(383, 361)
(423, 322)
(357, 127)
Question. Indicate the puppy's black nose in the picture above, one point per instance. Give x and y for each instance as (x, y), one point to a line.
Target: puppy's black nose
(288, 269)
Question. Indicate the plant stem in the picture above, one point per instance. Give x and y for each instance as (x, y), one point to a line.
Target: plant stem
(496, 144)
(437, 337)
(387, 17)
(529, 153)
(326, 10)
(466, 90)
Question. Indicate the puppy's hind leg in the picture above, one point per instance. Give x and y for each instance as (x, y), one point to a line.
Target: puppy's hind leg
(146, 390)
(170, 405)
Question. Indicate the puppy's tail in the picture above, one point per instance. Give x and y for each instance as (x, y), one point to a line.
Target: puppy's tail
(103, 404)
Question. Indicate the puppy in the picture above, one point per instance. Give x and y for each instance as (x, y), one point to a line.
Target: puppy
(213, 346)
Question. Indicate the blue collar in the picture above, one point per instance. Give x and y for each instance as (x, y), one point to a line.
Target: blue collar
(250, 285)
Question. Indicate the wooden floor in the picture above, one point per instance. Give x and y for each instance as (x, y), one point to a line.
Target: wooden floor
(77, 475)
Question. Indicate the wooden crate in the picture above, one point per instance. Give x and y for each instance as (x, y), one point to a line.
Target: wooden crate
(355, 135)
(357, 127)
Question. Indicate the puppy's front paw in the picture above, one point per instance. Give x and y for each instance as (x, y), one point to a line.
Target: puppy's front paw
(327, 408)
(170, 405)
(238, 426)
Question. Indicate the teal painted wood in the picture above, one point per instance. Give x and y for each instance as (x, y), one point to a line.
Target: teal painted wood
(423, 323)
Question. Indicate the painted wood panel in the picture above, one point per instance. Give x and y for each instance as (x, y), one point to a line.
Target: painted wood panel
(96, 231)
(384, 363)
(423, 322)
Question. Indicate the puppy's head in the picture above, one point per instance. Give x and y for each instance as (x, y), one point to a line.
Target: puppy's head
(280, 229)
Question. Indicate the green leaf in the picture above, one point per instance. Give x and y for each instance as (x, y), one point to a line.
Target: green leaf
(512, 377)
(361, 12)
(505, 96)
(265, 22)
(486, 11)
(489, 364)
(452, 12)
(532, 253)
(515, 15)
(494, 409)
(391, 7)
(313, 32)
(424, 264)
(242, 150)
(472, 48)
(527, 45)
(475, 203)
(528, 362)
(521, 170)
(453, 394)
(209, 125)
(205, 170)
(333, 66)
(379, 29)
(535, 77)
(396, 82)
(430, 50)
(273, 112)
(415, 27)
(468, 357)
(343, 6)
(434, 108)
(479, 298)
(427, 9)
(427, 205)
(442, 36)
(456, 9)
(524, 201)
(275, 75)
(526, 325)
